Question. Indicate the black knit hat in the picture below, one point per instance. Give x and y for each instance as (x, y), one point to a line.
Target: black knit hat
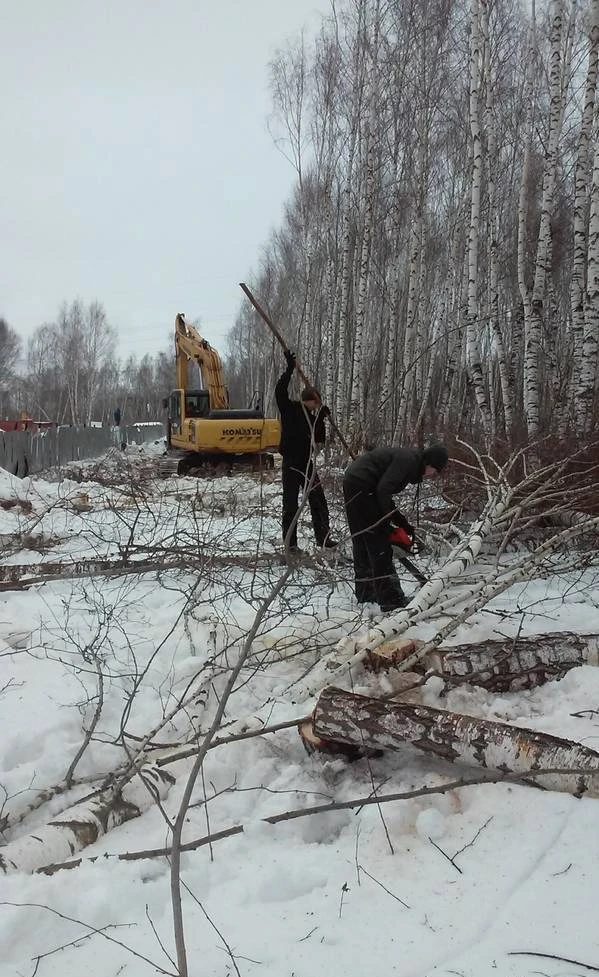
(436, 456)
(310, 393)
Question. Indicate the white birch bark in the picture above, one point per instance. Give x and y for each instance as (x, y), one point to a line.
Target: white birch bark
(346, 256)
(370, 723)
(428, 380)
(386, 404)
(82, 824)
(347, 253)
(507, 393)
(509, 665)
(454, 335)
(409, 364)
(581, 228)
(351, 652)
(590, 346)
(534, 320)
(356, 413)
(357, 403)
(473, 326)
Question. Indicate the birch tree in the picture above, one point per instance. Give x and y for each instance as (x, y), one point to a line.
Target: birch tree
(426, 246)
(10, 350)
(585, 327)
(589, 367)
(534, 320)
(472, 342)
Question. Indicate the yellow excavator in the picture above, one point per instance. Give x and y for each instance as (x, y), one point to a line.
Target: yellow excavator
(203, 431)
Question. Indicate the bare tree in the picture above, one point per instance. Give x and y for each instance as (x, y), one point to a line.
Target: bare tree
(10, 350)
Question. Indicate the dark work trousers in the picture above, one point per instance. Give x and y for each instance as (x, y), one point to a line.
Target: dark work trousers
(294, 480)
(375, 575)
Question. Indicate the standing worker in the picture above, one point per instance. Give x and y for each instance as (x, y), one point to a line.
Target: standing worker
(302, 430)
(369, 484)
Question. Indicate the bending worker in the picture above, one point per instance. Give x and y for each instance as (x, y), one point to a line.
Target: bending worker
(369, 484)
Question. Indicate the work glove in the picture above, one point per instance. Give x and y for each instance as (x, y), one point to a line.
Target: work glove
(290, 359)
(399, 537)
(398, 521)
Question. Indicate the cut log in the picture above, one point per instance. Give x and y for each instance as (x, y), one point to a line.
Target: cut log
(547, 761)
(390, 654)
(520, 663)
(85, 822)
(316, 744)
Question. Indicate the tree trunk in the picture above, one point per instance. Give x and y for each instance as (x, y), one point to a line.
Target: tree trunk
(535, 324)
(85, 822)
(369, 723)
(583, 398)
(473, 329)
(507, 666)
(590, 346)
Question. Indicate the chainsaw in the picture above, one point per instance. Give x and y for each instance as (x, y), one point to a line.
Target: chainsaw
(402, 543)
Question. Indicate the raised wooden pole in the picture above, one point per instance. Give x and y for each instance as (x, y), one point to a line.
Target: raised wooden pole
(266, 318)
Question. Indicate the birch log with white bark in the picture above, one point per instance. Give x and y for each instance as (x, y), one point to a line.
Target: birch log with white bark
(521, 663)
(545, 760)
(83, 823)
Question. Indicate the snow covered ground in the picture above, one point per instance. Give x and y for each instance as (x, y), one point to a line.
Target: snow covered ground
(494, 879)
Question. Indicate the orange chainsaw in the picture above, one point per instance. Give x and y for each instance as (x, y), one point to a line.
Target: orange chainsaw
(402, 543)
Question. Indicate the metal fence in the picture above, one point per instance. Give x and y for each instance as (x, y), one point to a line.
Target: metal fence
(25, 452)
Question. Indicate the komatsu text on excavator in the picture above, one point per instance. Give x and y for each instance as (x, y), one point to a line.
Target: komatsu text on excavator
(203, 431)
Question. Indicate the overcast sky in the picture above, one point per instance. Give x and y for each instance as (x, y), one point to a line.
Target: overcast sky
(137, 168)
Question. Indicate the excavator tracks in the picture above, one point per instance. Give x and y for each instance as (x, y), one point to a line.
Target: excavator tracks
(179, 462)
(173, 464)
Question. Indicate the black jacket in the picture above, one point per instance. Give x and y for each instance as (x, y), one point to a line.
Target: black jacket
(384, 472)
(297, 424)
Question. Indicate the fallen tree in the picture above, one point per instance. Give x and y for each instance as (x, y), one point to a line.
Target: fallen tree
(506, 665)
(511, 665)
(85, 822)
(374, 724)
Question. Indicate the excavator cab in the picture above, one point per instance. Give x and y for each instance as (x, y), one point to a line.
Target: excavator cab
(197, 403)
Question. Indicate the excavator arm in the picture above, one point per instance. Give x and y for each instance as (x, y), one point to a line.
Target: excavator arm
(191, 347)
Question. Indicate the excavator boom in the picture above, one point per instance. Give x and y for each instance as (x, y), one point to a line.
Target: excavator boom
(191, 347)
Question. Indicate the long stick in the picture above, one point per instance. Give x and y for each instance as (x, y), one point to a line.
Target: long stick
(263, 315)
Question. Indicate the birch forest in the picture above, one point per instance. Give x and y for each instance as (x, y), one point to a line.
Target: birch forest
(437, 265)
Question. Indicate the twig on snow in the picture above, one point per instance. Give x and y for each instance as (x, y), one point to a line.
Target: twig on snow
(552, 956)
(92, 931)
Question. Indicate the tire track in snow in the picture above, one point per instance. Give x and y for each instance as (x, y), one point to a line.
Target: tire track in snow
(496, 914)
